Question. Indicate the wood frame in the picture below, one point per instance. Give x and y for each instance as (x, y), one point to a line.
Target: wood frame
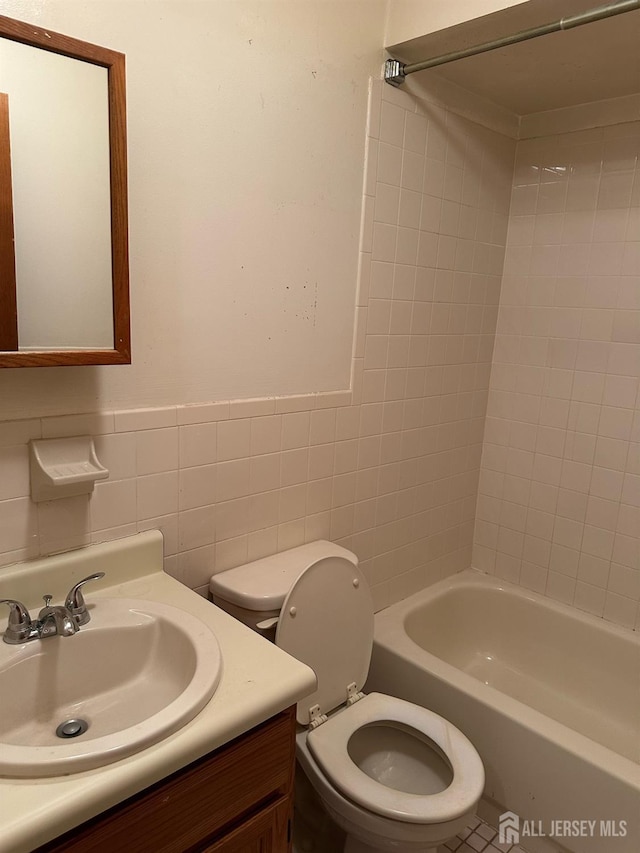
(114, 62)
(8, 299)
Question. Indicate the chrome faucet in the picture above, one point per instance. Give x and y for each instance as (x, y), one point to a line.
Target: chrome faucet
(20, 628)
(55, 620)
(75, 603)
(62, 620)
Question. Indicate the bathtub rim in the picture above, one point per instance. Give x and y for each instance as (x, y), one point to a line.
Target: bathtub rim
(389, 633)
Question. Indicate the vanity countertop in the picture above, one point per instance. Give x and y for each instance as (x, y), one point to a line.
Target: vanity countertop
(258, 681)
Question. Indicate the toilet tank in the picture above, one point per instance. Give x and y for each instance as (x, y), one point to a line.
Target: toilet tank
(254, 593)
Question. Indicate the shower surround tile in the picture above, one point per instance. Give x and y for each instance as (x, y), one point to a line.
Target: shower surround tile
(566, 375)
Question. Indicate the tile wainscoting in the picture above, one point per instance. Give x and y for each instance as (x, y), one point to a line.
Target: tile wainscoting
(389, 468)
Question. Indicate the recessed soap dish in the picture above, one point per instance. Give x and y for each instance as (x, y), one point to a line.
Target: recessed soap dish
(64, 467)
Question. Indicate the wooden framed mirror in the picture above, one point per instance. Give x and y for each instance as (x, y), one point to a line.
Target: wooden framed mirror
(64, 267)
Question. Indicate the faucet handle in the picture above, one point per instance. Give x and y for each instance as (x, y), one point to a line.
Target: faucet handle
(75, 603)
(19, 627)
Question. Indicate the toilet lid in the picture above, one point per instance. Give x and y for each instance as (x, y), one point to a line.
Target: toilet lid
(326, 621)
(329, 746)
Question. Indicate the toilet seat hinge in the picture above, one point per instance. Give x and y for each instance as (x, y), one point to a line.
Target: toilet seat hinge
(316, 718)
(353, 695)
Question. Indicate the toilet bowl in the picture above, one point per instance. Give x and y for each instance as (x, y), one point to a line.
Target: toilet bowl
(394, 776)
(383, 776)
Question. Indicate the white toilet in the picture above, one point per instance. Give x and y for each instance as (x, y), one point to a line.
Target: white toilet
(393, 775)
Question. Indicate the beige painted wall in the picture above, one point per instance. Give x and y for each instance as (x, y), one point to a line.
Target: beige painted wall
(390, 469)
(246, 132)
(409, 19)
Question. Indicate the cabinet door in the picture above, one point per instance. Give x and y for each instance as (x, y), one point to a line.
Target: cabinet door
(269, 831)
(238, 782)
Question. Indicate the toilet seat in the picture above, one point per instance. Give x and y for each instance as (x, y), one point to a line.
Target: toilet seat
(329, 746)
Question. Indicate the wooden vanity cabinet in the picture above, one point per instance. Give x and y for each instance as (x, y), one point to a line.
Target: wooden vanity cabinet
(237, 799)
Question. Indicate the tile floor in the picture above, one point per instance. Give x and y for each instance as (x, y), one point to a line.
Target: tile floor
(316, 833)
(479, 837)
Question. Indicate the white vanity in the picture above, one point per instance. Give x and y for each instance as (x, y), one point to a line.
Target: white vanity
(201, 753)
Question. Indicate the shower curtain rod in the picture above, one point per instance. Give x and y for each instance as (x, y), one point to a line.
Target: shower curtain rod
(395, 71)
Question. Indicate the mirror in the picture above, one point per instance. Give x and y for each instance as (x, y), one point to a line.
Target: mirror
(64, 273)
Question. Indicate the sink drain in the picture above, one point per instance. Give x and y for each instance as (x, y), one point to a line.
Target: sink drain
(72, 728)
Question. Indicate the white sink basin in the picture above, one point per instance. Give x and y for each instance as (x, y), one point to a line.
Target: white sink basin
(136, 673)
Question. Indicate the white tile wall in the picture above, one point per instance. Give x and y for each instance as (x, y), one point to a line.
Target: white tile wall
(434, 226)
(390, 468)
(559, 499)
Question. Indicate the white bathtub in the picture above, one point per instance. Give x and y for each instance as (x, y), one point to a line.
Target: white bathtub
(549, 696)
